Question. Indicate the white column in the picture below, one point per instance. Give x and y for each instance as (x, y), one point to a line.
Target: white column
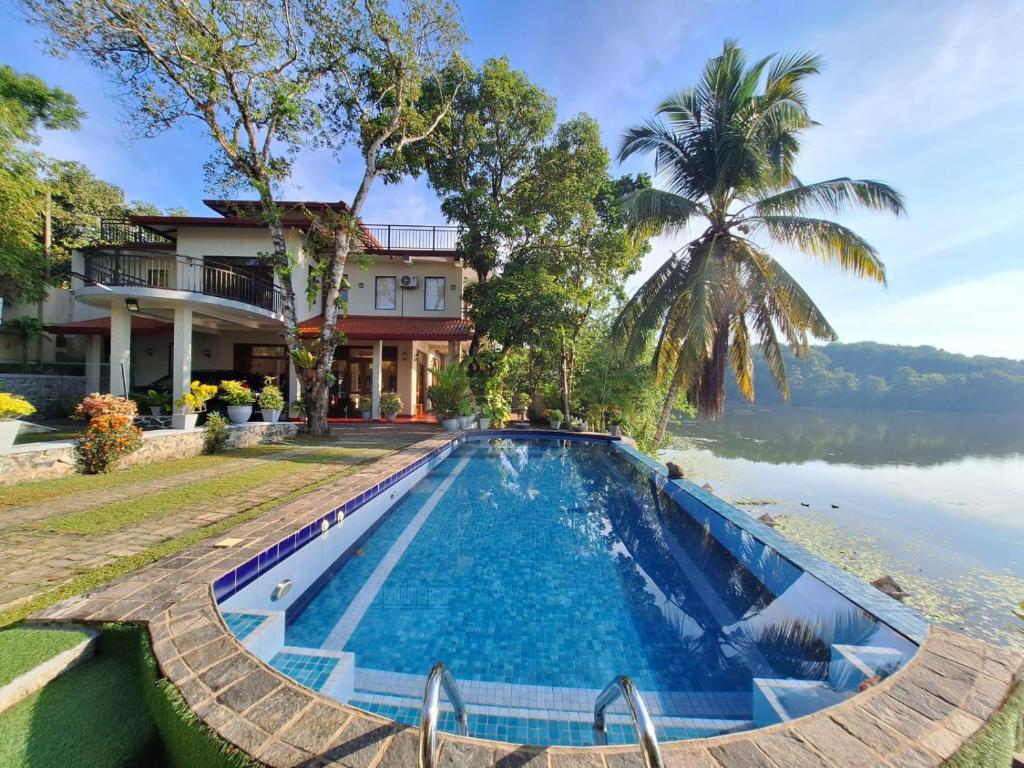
(294, 387)
(93, 364)
(454, 352)
(181, 365)
(378, 363)
(120, 348)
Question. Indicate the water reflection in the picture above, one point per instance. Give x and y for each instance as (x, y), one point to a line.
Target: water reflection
(860, 437)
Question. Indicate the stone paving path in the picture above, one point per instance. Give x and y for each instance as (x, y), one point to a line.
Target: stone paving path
(33, 560)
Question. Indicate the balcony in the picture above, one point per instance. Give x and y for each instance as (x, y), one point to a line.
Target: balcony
(411, 239)
(178, 273)
(124, 234)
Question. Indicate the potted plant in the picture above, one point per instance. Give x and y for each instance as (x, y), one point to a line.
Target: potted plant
(390, 405)
(555, 418)
(495, 411)
(615, 423)
(191, 404)
(467, 409)
(239, 399)
(157, 401)
(366, 407)
(449, 390)
(521, 404)
(12, 408)
(271, 400)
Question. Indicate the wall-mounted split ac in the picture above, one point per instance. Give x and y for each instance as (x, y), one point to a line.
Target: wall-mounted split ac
(408, 281)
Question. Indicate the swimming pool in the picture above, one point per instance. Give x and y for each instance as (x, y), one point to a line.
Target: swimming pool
(538, 569)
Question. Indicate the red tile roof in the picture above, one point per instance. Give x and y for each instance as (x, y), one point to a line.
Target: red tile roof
(144, 326)
(364, 327)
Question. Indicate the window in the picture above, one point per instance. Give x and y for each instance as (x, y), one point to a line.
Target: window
(386, 293)
(433, 294)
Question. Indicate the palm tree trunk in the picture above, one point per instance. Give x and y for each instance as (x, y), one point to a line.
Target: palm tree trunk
(666, 408)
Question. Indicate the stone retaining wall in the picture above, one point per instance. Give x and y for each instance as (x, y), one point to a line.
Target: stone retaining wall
(51, 394)
(47, 461)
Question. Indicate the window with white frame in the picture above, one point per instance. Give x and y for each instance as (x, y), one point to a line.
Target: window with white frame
(386, 293)
(433, 294)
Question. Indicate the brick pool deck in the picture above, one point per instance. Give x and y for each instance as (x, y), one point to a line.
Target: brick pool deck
(919, 716)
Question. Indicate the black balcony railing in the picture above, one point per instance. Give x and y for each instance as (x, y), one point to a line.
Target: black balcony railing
(121, 232)
(410, 237)
(182, 274)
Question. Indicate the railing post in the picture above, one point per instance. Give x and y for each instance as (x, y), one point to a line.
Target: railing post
(389, 236)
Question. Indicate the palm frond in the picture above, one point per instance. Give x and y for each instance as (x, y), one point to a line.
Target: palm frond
(825, 240)
(740, 357)
(655, 211)
(646, 309)
(833, 196)
(771, 350)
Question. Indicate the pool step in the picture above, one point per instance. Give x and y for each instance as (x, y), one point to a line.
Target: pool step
(329, 672)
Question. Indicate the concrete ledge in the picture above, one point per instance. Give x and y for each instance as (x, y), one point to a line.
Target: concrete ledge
(25, 685)
(919, 716)
(51, 460)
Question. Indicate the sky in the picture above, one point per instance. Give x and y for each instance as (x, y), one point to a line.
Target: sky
(927, 96)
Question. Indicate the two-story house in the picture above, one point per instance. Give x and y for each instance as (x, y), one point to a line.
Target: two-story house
(169, 296)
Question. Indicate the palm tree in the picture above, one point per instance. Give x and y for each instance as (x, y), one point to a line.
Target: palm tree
(724, 153)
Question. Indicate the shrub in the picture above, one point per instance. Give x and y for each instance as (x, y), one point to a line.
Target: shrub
(105, 405)
(449, 390)
(236, 392)
(390, 403)
(271, 398)
(14, 406)
(365, 403)
(555, 415)
(108, 438)
(194, 401)
(215, 433)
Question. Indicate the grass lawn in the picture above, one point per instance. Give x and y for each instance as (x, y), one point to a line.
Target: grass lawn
(111, 517)
(24, 649)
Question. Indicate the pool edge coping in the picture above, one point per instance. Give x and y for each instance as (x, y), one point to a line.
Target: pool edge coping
(927, 710)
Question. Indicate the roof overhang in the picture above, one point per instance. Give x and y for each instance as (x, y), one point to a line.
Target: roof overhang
(372, 327)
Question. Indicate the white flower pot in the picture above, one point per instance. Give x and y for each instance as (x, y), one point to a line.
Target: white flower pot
(465, 422)
(8, 431)
(271, 415)
(366, 415)
(615, 430)
(485, 423)
(390, 416)
(156, 410)
(555, 423)
(239, 414)
(184, 420)
(449, 425)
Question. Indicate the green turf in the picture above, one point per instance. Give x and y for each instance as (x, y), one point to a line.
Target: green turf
(93, 715)
(101, 575)
(995, 744)
(47, 490)
(25, 649)
(200, 494)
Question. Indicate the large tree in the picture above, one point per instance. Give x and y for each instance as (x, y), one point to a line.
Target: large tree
(724, 152)
(265, 77)
(26, 105)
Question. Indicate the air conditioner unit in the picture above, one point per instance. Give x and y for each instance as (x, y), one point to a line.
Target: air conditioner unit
(408, 281)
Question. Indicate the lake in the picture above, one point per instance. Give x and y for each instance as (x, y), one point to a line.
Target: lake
(934, 499)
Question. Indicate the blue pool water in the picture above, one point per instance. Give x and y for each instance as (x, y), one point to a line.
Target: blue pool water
(538, 570)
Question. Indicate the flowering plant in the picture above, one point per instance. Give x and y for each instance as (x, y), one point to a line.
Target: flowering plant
(108, 438)
(236, 392)
(14, 406)
(194, 401)
(271, 397)
(98, 405)
(365, 403)
(390, 403)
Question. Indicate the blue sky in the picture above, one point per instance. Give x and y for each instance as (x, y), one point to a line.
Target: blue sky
(924, 95)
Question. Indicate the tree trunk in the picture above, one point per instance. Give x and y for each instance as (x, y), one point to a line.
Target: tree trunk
(666, 408)
(328, 334)
(565, 383)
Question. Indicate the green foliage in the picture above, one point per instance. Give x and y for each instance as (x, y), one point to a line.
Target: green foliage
(390, 403)
(26, 105)
(22, 650)
(365, 403)
(450, 390)
(235, 392)
(871, 375)
(725, 152)
(215, 433)
(154, 399)
(555, 415)
(271, 397)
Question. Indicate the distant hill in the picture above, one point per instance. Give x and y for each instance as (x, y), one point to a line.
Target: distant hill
(871, 375)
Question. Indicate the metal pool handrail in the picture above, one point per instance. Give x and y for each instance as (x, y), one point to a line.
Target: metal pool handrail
(438, 678)
(624, 687)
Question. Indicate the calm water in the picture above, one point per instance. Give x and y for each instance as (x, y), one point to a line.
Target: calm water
(539, 570)
(937, 500)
